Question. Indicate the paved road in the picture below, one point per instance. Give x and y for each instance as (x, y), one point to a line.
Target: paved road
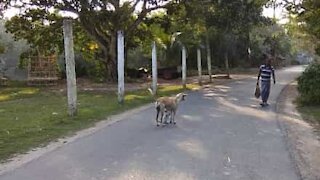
(221, 134)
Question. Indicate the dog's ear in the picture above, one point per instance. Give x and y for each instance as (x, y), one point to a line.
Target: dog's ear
(184, 96)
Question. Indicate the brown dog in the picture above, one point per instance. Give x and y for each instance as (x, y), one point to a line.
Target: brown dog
(167, 106)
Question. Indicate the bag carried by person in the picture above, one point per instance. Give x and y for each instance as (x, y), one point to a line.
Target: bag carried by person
(257, 91)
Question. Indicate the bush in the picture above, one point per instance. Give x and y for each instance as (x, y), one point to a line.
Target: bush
(309, 85)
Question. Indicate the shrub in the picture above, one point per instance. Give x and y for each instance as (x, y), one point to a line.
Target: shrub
(309, 85)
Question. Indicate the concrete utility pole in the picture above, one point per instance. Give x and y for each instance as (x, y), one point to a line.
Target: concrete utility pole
(70, 67)
(154, 68)
(199, 66)
(184, 67)
(120, 67)
(209, 59)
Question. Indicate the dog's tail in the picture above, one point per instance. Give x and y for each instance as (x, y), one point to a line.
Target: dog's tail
(152, 93)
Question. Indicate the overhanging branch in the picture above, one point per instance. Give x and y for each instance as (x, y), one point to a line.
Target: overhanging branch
(143, 14)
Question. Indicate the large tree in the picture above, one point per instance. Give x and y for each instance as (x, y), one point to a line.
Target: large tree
(309, 13)
(232, 22)
(175, 28)
(101, 19)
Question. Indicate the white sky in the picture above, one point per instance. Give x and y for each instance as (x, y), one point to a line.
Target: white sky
(11, 12)
(279, 12)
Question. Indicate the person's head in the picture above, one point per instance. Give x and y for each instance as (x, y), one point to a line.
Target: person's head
(268, 61)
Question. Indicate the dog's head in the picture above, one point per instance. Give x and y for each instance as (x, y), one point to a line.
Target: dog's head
(181, 96)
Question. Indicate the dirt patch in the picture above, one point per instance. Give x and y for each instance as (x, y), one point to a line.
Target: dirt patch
(302, 140)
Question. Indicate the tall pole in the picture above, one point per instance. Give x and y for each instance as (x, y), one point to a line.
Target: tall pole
(199, 66)
(154, 68)
(209, 59)
(184, 67)
(70, 67)
(120, 50)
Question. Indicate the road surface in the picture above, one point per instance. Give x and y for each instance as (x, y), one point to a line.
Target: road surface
(221, 134)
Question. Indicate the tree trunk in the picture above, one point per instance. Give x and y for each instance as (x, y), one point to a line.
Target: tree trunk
(111, 63)
(227, 64)
(249, 60)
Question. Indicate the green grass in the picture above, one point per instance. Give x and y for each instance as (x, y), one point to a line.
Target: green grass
(32, 117)
(311, 113)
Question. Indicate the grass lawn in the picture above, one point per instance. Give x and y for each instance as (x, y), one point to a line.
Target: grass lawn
(311, 114)
(31, 117)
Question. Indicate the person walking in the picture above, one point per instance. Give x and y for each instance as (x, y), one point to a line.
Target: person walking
(265, 72)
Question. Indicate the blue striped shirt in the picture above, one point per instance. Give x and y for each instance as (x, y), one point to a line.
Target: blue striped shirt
(266, 72)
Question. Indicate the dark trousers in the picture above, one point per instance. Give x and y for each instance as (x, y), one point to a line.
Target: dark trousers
(265, 90)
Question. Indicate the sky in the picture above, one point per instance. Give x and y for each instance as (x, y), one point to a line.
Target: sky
(11, 12)
(279, 12)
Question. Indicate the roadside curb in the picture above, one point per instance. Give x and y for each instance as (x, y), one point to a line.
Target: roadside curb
(299, 138)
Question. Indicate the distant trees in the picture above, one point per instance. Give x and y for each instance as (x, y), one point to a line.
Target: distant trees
(5, 42)
(9, 48)
(43, 32)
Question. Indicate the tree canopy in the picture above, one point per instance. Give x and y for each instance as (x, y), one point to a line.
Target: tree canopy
(309, 13)
(235, 30)
(304, 23)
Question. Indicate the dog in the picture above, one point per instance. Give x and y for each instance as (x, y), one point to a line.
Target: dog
(167, 106)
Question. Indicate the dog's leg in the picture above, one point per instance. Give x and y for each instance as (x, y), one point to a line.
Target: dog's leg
(160, 108)
(173, 115)
(158, 111)
(161, 116)
(166, 116)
